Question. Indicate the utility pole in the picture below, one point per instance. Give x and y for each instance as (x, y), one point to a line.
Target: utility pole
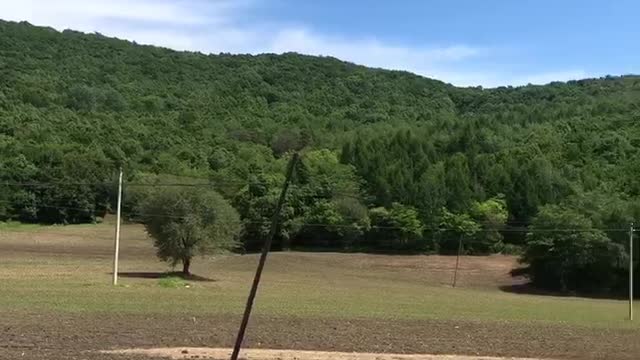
(116, 246)
(631, 273)
(455, 272)
(263, 258)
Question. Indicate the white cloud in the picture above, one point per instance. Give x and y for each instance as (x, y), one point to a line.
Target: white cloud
(365, 50)
(491, 79)
(87, 15)
(214, 26)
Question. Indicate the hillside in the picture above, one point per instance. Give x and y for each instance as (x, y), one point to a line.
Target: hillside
(390, 158)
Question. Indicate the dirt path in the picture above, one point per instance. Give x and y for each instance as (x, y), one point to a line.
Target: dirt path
(269, 354)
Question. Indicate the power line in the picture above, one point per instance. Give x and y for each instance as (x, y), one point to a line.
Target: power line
(142, 184)
(294, 223)
(69, 183)
(53, 184)
(209, 183)
(507, 228)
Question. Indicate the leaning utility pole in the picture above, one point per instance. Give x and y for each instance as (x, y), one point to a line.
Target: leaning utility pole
(631, 272)
(116, 246)
(263, 258)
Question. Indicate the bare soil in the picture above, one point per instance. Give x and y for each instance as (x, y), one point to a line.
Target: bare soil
(269, 354)
(78, 335)
(83, 336)
(488, 272)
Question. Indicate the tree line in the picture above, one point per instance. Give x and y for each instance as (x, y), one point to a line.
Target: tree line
(391, 162)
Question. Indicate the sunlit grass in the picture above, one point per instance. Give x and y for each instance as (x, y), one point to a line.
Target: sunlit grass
(17, 226)
(300, 285)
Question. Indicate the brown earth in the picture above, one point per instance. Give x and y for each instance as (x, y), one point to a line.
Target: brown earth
(77, 335)
(82, 243)
(82, 336)
(183, 353)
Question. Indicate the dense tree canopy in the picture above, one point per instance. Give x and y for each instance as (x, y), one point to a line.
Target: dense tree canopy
(389, 159)
(565, 252)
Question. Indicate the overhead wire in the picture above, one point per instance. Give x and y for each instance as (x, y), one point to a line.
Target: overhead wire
(507, 228)
(438, 229)
(56, 184)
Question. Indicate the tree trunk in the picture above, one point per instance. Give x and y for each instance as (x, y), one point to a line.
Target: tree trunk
(186, 264)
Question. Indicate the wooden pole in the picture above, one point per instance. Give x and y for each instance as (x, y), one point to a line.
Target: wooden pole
(631, 273)
(263, 258)
(116, 246)
(455, 273)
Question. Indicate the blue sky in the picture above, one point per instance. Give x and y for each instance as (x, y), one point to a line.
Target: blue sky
(464, 42)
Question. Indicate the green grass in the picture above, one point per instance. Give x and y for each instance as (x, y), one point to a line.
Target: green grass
(173, 282)
(294, 298)
(17, 226)
(294, 284)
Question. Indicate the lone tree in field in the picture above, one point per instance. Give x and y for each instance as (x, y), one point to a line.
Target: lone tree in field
(186, 222)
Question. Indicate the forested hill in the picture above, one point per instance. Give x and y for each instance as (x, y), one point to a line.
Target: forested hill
(381, 147)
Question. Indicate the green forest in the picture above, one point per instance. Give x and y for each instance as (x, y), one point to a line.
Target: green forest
(390, 161)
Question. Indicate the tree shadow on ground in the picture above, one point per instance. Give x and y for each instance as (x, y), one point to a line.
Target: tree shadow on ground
(161, 275)
(523, 286)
